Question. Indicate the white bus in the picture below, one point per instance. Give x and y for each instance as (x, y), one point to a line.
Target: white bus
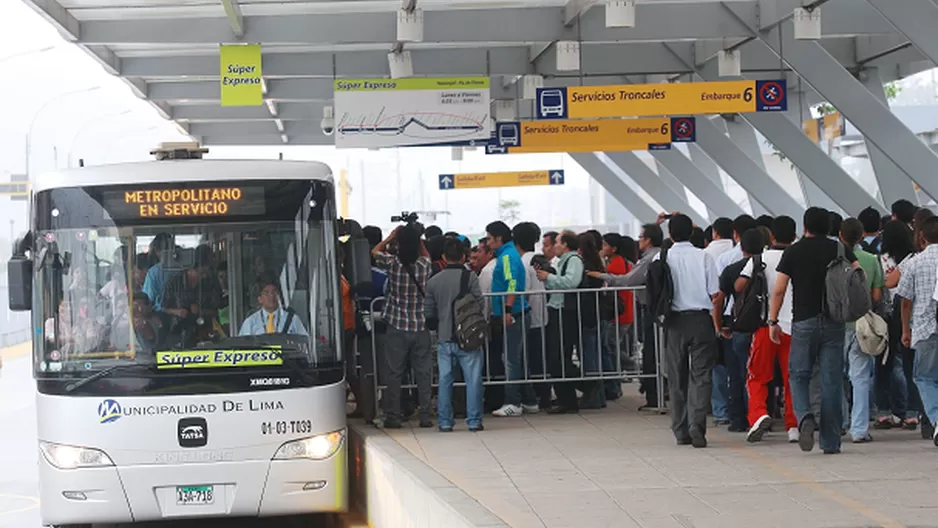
(187, 338)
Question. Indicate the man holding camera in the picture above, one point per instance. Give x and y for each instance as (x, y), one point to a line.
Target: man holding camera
(407, 339)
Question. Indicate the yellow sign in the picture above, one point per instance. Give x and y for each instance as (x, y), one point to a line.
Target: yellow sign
(241, 75)
(826, 127)
(178, 359)
(605, 135)
(726, 97)
(500, 179)
(180, 202)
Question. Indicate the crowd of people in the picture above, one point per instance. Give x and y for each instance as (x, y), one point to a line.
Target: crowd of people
(831, 330)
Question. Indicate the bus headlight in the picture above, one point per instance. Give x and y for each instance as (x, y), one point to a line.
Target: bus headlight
(319, 447)
(72, 457)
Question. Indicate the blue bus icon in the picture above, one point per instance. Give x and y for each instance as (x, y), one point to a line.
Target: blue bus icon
(509, 134)
(552, 103)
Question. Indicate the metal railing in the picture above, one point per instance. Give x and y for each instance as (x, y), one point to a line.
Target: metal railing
(590, 344)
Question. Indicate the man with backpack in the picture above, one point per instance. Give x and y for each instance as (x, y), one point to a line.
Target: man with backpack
(747, 313)
(764, 353)
(860, 363)
(690, 335)
(817, 330)
(871, 221)
(454, 307)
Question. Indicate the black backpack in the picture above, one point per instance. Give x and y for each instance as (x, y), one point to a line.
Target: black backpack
(751, 306)
(659, 287)
(470, 327)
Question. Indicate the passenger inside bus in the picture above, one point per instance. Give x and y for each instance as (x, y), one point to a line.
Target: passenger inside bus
(271, 318)
(161, 247)
(149, 329)
(192, 298)
(75, 331)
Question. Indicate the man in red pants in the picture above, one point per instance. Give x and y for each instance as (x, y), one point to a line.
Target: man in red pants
(764, 352)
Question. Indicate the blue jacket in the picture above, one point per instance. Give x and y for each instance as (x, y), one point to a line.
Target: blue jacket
(508, 277)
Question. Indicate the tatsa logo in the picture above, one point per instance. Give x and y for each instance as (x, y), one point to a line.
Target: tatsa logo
(109, 411)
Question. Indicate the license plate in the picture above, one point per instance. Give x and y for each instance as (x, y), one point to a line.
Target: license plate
(195, 495)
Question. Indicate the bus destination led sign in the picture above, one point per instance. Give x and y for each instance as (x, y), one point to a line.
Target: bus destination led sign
(189, 202)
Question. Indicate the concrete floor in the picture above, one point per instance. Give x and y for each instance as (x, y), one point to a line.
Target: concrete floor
(620, 468)
(19, 485)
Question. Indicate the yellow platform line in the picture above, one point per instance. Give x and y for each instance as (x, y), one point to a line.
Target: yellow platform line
(16, 351)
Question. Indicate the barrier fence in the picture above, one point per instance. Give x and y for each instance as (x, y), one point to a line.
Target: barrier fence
(601, 347)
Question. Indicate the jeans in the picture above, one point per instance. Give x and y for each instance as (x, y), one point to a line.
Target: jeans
(721, 385)
(891, 387)
(515, 366)
(614, 359)
(925, 373)
(819, 340)
(591, 359)
(861, 377)
(737, 357)
(470, 362)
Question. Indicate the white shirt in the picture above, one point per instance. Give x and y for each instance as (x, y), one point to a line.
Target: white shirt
(485, 283)
(770, 258)
(695, 277)
(538, 303)
(719, 247)
(734, 254)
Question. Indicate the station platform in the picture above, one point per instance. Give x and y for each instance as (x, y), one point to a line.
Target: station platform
(621, 468)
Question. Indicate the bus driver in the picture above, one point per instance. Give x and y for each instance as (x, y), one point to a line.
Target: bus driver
(271, 318)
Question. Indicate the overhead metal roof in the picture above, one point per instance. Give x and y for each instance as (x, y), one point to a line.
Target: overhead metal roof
(167, 50)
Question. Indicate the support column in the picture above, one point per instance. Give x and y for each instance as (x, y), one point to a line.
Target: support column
(642, 175)
(887, 173)
(745, 138)
(710, 169)
(878, 124)
(744, 170)
(916, 20)
(614, 185)
(681, 167)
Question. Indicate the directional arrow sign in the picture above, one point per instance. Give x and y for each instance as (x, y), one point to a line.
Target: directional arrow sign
(500, 179)
(446, 181)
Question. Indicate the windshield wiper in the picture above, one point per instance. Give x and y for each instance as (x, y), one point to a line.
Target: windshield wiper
(102, 373)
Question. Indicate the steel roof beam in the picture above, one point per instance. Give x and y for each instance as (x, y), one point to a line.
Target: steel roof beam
(597, 59)
(307, 111)
(266, 139)
(659, 22)
(235, 18)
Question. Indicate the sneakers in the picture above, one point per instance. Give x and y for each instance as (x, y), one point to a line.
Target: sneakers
(508, 411)
(808, 427)
(793, 435)
(530, 409)
(758, 430)
(934, 436)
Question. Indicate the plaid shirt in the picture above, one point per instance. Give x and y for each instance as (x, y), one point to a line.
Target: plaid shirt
(917, 284)
(403, 308)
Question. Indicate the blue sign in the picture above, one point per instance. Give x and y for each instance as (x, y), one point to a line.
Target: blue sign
(556, 177)
(551, 103)
(447, 181)
(771, 96)
(683, 129)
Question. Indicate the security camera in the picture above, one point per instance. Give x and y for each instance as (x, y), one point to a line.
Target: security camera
(328, 121)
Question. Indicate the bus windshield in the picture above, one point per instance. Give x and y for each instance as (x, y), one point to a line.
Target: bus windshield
(182, 282)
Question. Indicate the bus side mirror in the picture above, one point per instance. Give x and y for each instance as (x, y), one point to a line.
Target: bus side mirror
(358, 264)
(20, 282)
